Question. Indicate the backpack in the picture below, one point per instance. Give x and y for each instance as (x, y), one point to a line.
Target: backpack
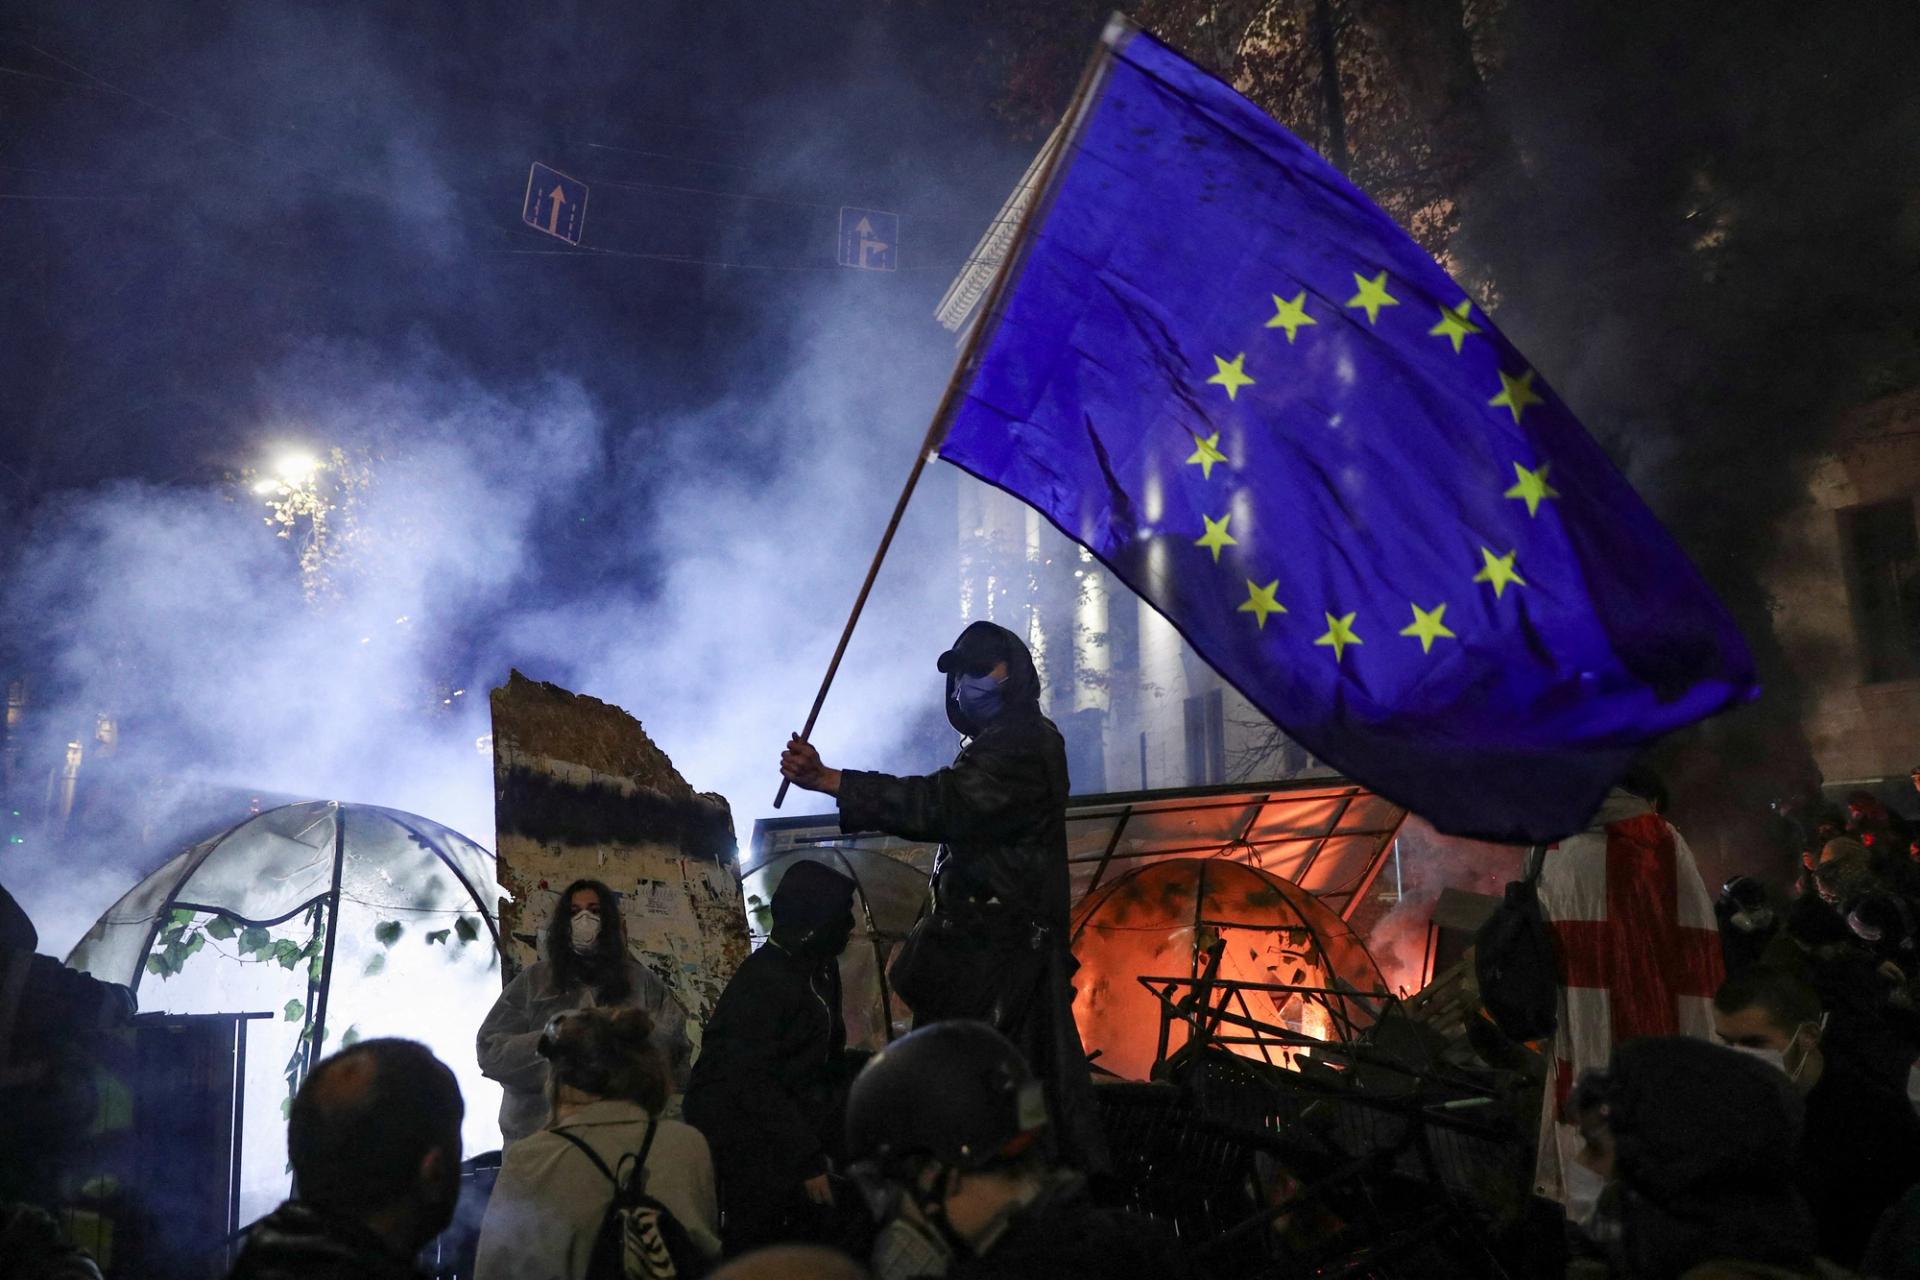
(1513, 960)
(639, 1238)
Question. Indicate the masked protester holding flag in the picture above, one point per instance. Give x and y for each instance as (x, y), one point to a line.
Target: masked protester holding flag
(771, 1083)
(994, 948)
(584, 965)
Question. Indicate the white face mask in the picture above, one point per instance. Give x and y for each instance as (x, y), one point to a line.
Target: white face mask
(585, 931)
(1583, 1193)
(1777, 1058)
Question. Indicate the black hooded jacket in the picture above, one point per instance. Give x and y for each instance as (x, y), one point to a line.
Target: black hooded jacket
(999, 810)
(1704, 1141)
(299, 1242)
(768, 1086)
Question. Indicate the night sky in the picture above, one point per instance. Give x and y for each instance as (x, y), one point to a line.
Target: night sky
(651, 467)
(195, 193)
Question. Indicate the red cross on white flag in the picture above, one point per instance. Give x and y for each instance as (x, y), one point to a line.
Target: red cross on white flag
(1638, 950)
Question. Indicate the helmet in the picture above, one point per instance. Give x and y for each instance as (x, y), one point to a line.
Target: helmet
(957, 1092)
(1744, 893)
(1881, 920)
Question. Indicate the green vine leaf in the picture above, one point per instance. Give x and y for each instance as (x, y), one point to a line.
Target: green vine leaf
(195, 941)
(294, 1011)
(467, 928)
(220, 928)
(253, 939)
(287, 952)
(438, 936)
(157, 964)
(352, 1036)
(173, 933)
(315, 970)
(180, 915)
(376, 965)
(286, 1113)
(388, 932)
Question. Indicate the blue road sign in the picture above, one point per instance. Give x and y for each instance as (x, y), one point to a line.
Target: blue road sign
(869, 239)
(555, 203)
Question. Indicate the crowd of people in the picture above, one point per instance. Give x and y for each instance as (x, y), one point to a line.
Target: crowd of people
(947, 1142)
(1730, 1085)
(1787, 1142)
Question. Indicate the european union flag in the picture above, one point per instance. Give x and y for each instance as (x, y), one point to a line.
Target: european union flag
(1227, 373)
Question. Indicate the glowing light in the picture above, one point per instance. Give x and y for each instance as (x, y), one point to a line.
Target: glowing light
(295, 468)
(264, 487)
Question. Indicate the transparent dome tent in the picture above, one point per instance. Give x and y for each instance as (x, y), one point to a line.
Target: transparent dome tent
(1159, 920)
(337, 922)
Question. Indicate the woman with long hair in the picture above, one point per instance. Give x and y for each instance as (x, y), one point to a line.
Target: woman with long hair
(606, 1088)
(584, 964)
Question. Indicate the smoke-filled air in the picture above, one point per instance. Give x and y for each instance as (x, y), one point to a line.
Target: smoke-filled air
(285, 521)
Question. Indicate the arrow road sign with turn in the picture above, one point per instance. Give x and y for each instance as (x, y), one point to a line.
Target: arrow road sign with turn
(869, 239)
(554, 203)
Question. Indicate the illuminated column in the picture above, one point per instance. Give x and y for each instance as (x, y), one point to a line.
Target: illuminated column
(65, 782)
(1092, 653)
(1036, 627)
(1163, 693)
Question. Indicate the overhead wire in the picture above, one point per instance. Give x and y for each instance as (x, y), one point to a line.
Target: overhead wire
(96, 83)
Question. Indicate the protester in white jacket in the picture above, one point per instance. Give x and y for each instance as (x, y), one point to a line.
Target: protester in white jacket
(608, 1083)
(584, 964)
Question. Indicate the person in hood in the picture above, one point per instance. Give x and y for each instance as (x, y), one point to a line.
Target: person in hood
(373, 1138)
(772, 1077)
(584, 964)
(1860, 1147)
(1696, 1144)
(995, 946)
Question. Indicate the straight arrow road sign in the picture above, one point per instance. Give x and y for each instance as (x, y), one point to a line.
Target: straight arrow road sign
(554, 203)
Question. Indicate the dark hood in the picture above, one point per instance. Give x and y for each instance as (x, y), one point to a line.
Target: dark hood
(1705, 1141)
(811, 899)
(16, 930)
(980, 646)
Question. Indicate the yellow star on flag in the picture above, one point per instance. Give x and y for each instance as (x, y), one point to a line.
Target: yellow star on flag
(1428, 625)
(1217, 536)
(1532, 487)
(1291, 316)
(1516, 393)
(1498, 572)
(1207, 452)
(1454, 324)
(1373, 295)
(1339, 634)
(1232, 374)
(1260, 602)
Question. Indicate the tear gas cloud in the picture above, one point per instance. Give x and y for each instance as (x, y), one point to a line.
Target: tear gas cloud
(177, 610)
(542, 477)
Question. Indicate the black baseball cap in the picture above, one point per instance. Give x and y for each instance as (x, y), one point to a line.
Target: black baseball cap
(980, 646)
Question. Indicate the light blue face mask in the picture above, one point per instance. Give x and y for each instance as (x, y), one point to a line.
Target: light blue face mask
(979, 698)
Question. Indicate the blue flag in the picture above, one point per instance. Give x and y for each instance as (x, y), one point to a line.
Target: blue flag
(1227, 373)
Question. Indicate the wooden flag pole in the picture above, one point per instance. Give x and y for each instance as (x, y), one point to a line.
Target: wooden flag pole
(936, 430)
(866, 588)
